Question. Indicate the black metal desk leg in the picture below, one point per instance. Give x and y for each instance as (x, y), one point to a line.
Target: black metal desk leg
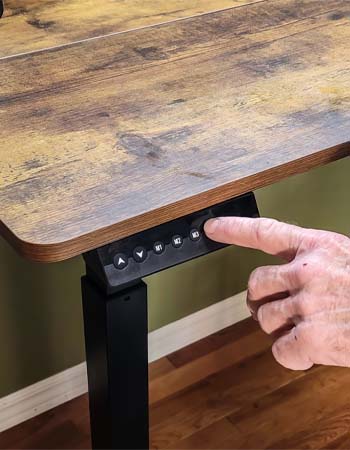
(117, 361)
(116, 318)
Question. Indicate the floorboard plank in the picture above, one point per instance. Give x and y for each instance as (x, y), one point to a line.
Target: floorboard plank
(72, 418)
(242, 400)
(160, 368)
(342, 443)
(331, 431)
(292, 409)
(207, 365)
(216, 436)
(216, 397)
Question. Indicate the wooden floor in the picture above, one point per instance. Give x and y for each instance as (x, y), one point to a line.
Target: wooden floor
(224, 392)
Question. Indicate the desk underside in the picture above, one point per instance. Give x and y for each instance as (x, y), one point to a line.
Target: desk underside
(106, 137)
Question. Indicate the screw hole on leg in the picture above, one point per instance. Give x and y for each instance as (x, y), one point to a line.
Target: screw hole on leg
(126, 299)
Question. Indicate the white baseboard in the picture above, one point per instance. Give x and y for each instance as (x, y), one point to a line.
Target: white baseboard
(47, 394)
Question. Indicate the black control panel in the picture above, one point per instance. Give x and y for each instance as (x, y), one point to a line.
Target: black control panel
(122, 262)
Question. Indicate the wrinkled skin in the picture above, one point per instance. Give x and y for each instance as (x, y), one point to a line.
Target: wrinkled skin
(304, 303)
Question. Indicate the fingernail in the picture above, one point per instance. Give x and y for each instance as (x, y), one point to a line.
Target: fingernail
(211, 225)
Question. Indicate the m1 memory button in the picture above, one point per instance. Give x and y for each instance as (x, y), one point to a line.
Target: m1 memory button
(177, 241)
(195, 234)
(120, 261)
(139, 254)
(158, 247)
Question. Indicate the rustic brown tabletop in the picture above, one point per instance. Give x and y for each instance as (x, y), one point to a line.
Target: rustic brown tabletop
(115, 119)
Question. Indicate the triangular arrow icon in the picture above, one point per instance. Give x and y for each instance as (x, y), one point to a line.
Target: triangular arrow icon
(121, 261)
(139, 254)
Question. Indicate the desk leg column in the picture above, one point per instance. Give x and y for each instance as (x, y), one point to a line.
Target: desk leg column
(116, 330)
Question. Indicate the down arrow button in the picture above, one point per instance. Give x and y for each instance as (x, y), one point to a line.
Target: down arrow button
(139, 254)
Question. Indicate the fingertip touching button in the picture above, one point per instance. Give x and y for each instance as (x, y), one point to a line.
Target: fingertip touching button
(139, 254)
(120, 261)
(177, 241)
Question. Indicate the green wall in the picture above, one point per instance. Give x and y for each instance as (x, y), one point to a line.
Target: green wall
(41, 329)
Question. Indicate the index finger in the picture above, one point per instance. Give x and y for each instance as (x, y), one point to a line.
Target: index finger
(268, 235)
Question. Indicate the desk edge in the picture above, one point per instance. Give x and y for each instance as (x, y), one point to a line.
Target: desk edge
(60, 251)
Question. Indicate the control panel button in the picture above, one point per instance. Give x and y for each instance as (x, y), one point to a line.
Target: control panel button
(195, 234)
(120, 261)
(139, 254)
(158, 247)
(163, 246)
(177, 241)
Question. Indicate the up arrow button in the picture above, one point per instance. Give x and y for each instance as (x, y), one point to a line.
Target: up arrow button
(120, 261)
(139, 254)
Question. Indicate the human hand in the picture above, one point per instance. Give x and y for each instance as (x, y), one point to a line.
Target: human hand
(304, 303)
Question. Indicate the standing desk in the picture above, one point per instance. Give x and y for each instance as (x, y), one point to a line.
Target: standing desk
(127, 119)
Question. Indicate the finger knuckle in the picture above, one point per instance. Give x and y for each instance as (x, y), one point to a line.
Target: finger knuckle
(329, 237)
(280, 352)
(263, 314)
(304, 334)
(338, 238)
(253, 283)
(337, 244)
(293, 352)
(304, 271)
(263, 227)
(298, 305)
(277, 350)
(330, 241)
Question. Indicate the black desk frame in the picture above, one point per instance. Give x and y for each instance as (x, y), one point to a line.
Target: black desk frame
(116, 324)
(117, 361)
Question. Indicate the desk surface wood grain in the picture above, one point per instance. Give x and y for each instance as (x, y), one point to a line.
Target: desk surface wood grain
(107, 137)
(30, 25)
